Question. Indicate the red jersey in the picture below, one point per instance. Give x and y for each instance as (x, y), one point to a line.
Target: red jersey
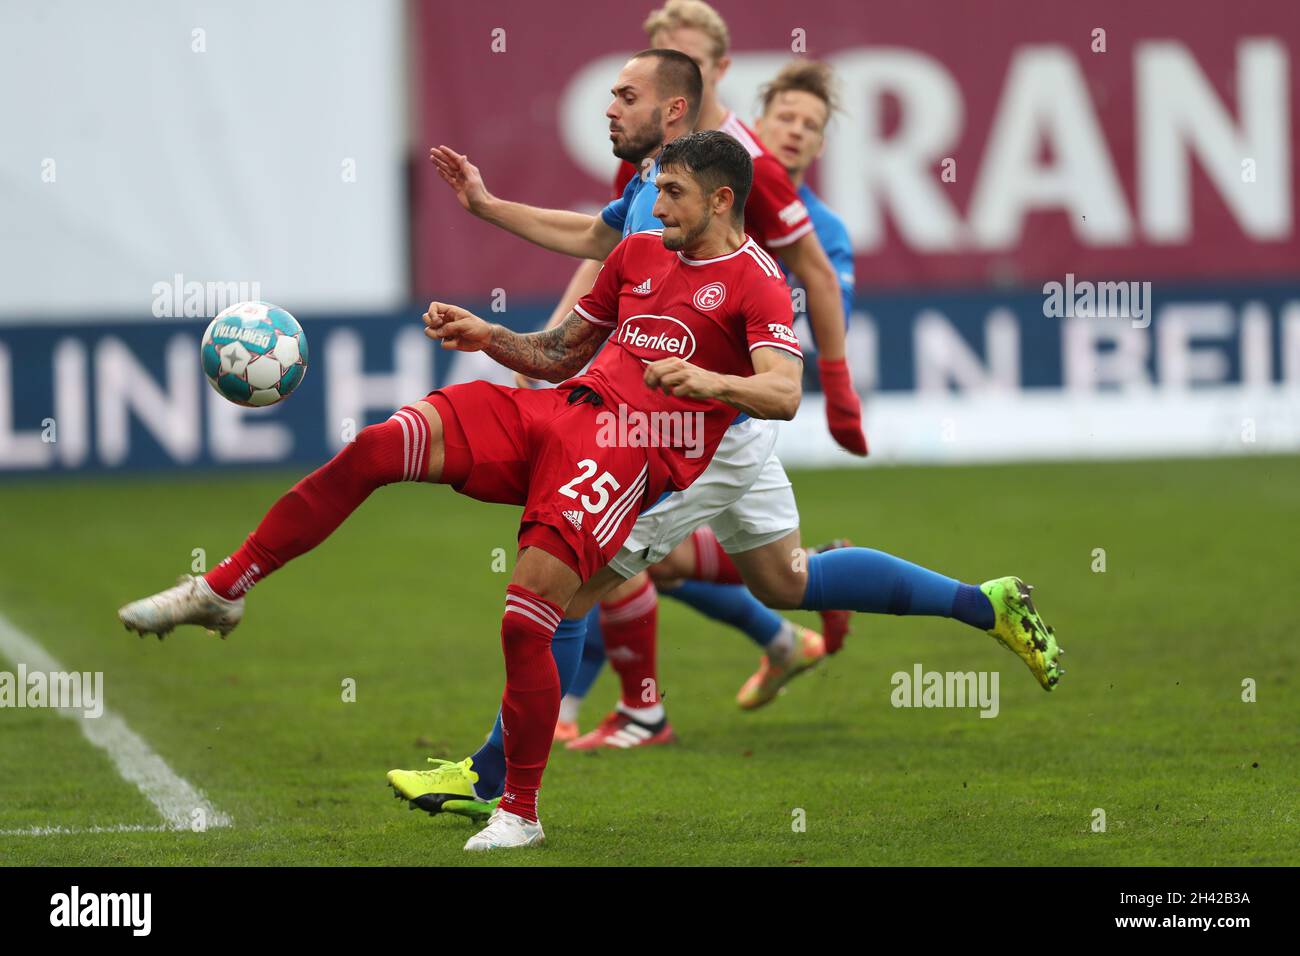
(710, 312)
(622, 177)
(774, 214)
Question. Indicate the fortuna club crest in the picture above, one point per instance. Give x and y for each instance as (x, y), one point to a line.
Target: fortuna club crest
(710, 296)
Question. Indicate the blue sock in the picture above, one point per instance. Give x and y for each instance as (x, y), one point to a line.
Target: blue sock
(490, 759)
(731, 604)
(593, 657)
(860, 579)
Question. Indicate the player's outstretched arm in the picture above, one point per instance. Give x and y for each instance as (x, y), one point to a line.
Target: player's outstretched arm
(773, 391)
(552, 354)
(807, 260)
(584, 277)
(571, 233)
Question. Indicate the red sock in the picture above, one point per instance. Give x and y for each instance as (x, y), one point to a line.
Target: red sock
(397, 450)
(711, 562)
(531, 703)
(630, 627)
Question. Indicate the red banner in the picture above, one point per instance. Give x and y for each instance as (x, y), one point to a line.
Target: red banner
(980, 143)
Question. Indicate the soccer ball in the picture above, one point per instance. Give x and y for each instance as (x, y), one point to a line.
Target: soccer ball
(254, 353)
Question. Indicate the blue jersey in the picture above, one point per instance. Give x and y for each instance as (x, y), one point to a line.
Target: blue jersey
(834, 238)
(631, 212)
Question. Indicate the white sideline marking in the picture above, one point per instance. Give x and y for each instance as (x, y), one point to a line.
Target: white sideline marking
(60, 831)
(172, 795)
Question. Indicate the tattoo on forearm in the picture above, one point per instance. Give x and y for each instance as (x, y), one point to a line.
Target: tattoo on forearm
(552, 354)
(789, 356)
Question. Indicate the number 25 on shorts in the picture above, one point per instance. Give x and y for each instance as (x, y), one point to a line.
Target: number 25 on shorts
(602, 486)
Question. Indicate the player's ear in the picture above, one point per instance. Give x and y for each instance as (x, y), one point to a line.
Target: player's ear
(723, 199)
(677, 108)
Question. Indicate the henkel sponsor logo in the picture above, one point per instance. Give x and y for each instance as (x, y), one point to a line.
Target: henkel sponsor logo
(710, 296)
(653, 337)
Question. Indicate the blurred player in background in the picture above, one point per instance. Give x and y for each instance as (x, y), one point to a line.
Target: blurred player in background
(797, 107)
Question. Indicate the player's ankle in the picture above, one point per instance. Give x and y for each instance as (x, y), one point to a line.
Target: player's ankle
(569, 708)
(648, 715)
(781, 648)
(521, 801)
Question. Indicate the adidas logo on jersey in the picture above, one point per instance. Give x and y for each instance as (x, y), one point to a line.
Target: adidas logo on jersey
(643, 288)
(575, 518)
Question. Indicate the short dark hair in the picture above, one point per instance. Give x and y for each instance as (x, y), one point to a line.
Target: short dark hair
(715, 159)
(676, 74)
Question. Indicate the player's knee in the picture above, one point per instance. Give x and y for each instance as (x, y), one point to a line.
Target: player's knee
(579, 607)
(660, 574)
(399, 449)
(626, 589)
(372, 439)
(677, 564)
(781, 592)
(376, 453)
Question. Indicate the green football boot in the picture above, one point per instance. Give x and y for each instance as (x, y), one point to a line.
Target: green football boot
(445, 788)
(1019, 628)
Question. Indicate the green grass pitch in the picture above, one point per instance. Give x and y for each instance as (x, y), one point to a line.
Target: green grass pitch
(1199, 593)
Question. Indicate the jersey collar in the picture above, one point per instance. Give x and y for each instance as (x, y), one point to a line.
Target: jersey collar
(704, 262)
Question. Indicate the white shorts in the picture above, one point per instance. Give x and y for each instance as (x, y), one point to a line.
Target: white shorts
(744, 495)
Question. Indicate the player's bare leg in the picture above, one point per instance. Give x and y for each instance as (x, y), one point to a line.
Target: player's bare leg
(789, 649)
(629, 621)
(406, 447)
(620, 591)
(794, 650)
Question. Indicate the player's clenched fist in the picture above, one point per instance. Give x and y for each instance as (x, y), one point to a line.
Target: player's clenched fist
(674, 376)
(462, 176)
(456, 328)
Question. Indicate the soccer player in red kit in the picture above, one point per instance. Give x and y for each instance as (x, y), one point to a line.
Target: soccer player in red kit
(699, 329)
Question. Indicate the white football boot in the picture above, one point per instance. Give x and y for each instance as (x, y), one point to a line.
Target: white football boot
(506, 830)
(191, 601)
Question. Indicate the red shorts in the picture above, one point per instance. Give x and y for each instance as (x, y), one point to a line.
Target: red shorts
(532, 447)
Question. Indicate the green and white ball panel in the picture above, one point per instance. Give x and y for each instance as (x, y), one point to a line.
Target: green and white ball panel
(290, 379)
(254, 353)
(234, 388)
(263, 372)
